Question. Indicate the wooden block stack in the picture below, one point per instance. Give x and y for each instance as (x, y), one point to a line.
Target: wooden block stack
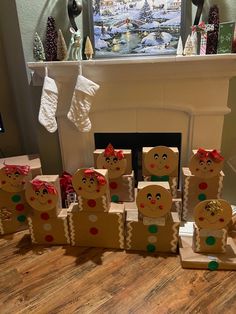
(119, 166)
(161, 163)
(48, 221)
(15, 172)
(151, 226)
(95, 221)
(202, 180)
(211, 248)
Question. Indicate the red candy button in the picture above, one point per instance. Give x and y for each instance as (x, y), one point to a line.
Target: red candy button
(49, 238)
(113, 185)
(20, 207)
(93, 231)
(203, 186)
(92, 203)
(44, 216)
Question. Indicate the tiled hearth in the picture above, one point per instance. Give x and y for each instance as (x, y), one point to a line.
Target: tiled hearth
(186, 95)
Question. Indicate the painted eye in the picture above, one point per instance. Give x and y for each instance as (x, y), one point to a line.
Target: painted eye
(17, 174)
(107, 159)
(37, 192)
(156, 156)
(84, 180)
(158, 196)
(45, 191)
(149, 196)
(209, 162)
(115, 159)
(91, 180)
(164, 156)
(201, 162)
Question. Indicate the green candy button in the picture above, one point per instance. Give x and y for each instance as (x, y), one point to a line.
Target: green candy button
(152, 229)
(16, 198)
(213, 265)
(21, 218)
(151, 248)
(202, 197)
(115, 198)
(210, 240)
(162, 178)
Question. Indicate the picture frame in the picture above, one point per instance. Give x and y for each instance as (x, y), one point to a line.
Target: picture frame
(124, 28)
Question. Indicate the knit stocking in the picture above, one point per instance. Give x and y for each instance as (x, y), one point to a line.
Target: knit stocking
(48, 105)
(81, 103)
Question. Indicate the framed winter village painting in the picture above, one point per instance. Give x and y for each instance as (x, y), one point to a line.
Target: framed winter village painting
(141, 27)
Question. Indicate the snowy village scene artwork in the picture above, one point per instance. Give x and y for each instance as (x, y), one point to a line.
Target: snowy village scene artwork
(143, 27)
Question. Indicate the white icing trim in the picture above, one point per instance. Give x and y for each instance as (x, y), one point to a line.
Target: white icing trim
(31, 229)
(80, 203)
(1, 227)
(104, 203)
(130, 189)
(220, 187)
(197, 247)
(121, 231)
(174, 242)
(185, 198)
(224, 240)
(66, 230)
(173, 186)
(129, 235)
(72, 229)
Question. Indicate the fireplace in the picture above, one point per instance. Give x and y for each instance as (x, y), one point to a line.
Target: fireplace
(183, 95)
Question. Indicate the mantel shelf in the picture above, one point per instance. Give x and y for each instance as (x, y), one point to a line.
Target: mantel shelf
(139, 68)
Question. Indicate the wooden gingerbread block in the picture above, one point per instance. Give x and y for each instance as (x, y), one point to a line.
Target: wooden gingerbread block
(209, 247)
(119, 166)
(97, 229)
(122, 188)
(161, 163)
(196, 189)
(32, 161)
(202, 180)
(117, 162)
(151, 226)
(48, 221)
(13, 206)
(92, 188)
(177, 206)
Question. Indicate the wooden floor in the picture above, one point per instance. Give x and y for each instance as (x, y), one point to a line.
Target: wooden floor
(91, 280)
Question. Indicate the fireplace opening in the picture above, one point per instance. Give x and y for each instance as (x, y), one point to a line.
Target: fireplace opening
(135, 142)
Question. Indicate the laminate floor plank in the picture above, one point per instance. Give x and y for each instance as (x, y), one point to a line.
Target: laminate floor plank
(64, 279)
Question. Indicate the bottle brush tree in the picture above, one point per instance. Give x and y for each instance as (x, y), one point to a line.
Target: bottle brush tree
(51, 40)
(61, 47)
(212, 36)
(38, 49)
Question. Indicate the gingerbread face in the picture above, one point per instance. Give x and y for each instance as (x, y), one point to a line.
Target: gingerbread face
(89, 184)
(161, 161)
(206, 164)
(13, 178)
(154, 201)
(212, 214)
(116, 167)
(41, 196)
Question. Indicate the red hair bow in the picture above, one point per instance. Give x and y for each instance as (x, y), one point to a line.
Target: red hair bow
(10, 169)
(38, 184)
(99, 177)
(214, 155)
(109, 151)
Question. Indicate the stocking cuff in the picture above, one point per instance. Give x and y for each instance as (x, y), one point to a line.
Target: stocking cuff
(85, 85)
(50, 84)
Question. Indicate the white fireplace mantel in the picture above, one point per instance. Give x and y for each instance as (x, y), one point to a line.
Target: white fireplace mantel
(152, 94)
